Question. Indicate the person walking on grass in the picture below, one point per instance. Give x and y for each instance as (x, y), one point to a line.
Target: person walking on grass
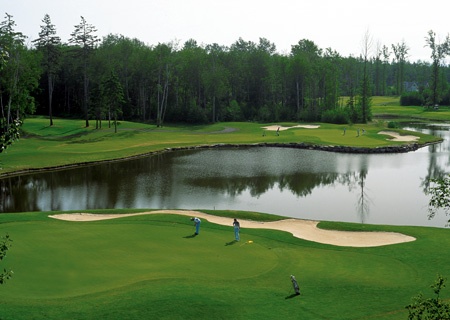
(237, 228)
(197, 222)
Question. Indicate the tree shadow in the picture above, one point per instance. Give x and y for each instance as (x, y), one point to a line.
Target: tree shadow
(230, 243)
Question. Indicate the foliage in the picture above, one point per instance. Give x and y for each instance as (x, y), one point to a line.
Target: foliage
(5, 244)
(9, 133)
(18, 78)
(393, 125)
(247, 81)
(411, 99)
(337, 116)
(430, 308)
(400, 51)
(438, 53)
(233, 112)
(112, 96)
(85, 40)
(49, 43)
(439, 191)
(198, 83)
(365, 91)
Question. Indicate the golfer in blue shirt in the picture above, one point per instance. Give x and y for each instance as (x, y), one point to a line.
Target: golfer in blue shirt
(237, 227)
(197, 222)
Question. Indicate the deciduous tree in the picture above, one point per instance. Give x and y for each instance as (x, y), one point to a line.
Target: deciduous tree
(400, 51)
(164, 52)
(439, 190)
(433, 308)
(438, 52)
(5, 244)
(364, 98)
(19, 73)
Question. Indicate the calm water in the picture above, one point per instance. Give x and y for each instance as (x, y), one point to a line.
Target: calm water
(376, 189)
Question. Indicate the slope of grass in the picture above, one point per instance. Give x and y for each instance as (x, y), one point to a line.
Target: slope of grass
(390, 107)
(69, 143)
(151, 267)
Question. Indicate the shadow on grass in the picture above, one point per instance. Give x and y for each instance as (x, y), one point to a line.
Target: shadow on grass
(292, 296)
(230, 243)
(191, 236)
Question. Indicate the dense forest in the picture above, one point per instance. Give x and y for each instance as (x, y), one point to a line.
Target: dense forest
(117, 78)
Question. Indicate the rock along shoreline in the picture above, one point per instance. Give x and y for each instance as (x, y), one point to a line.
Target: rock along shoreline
(330, 148)
(341, 149)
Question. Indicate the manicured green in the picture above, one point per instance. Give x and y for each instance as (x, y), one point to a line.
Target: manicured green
(389, 107)
(151, 267)
(68, 142)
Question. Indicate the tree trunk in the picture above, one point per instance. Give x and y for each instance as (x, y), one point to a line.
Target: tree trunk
(85, 100)
(214, 109)
(162, 99)
(51, 84)
(298, 96)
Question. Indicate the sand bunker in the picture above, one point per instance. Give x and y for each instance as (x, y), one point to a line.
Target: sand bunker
(397, 137)
(275, 127)
(303, 229)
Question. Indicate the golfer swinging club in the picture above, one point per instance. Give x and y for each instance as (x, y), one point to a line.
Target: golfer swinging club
(197, 222)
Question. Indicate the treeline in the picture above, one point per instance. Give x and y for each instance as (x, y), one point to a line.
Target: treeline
(118, 78)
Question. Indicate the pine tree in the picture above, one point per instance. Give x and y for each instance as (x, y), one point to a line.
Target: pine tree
(49, 43)
(84, 37)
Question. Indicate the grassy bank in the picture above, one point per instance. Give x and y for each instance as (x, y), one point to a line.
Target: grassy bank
(389, 107)
(68, 142)
(150, 267)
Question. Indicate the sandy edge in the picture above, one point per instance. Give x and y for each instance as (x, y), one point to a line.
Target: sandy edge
(303, 229)
(281, 128)
(397, 137)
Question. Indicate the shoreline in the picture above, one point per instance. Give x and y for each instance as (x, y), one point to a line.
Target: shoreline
(300, 145)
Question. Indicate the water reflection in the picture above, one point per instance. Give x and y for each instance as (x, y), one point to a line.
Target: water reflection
(382, 189)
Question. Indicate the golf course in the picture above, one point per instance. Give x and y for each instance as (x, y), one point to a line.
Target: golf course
(151, 266)
(148, 264)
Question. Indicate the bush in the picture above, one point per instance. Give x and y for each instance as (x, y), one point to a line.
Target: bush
(446, 98)
(264, 114)
(233, 112)
(411, 99)
(337, 116)
(393, 125)
(197, 116)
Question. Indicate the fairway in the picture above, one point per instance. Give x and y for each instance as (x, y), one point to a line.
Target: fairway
(151, 266)
(70, 143)
(105, 256)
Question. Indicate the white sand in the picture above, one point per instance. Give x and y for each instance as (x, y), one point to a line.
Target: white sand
(397, 137)
(303, 229)
(275, 127)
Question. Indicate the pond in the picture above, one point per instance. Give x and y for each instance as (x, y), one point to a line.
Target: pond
(307, 184)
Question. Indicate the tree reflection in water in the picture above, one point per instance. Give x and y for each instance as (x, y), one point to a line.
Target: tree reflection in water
(309, 184)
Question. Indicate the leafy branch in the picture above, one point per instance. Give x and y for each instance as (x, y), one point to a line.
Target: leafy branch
(5, 244)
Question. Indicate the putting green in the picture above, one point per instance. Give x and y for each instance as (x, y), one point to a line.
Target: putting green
(152, 267)
(60, 259)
